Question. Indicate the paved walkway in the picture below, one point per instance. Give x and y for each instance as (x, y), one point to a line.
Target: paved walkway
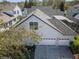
(52, 52)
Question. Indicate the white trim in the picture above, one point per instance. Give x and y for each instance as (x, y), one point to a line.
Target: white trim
(59, 17)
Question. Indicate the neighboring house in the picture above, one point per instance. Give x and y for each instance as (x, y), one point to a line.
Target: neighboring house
(8, 15)
(76, 7)
(46, 9)
(51, 29)
(73, 14)
(73, 11)
(50, 12)
(6, 7)
(16, 10)
(77, 16)
(6, 21)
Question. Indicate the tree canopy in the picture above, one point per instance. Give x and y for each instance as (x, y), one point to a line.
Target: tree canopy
(75, 45)
(12, 40)
(76, 41)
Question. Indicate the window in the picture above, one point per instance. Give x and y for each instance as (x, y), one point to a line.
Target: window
(14, 12)
(10, 22)
(5, 25)
(33, 25)
(14, 20)
(17, 12)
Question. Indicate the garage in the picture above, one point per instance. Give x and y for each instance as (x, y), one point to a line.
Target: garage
(54, 42)
(52, 29)
(47, 42)
(52, 52)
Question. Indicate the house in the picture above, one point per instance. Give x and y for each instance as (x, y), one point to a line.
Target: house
(50, 12)
(73, 11)
(51, 29)
(9, 14)
(76, 7)
(6, 21)
(77, 16)
(16, 10)
(6, 7)
(73, 14)
(46, 9)
(74, 25)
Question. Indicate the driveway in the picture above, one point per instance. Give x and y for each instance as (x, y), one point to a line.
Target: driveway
(53, 52)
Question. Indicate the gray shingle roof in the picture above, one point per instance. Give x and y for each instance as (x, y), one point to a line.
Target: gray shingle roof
(53, 22)
(64, 29)
(5, 7)
(47, 9)
(50, 12)
(76, 21)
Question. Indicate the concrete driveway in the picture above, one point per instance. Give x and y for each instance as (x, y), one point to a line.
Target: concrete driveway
(53, 52)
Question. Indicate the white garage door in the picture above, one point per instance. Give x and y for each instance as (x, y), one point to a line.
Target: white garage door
(54, 42)
(47, 42)
(64, 42)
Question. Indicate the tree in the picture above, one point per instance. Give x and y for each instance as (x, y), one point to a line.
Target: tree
(50, 2)
(75, 44)
(25, 4)
(55, 3)
(11, 42)
(62, 6)
(66, 6)
(76, 41)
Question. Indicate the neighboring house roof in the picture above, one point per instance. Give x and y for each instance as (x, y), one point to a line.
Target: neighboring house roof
(53, 22)
(76, 21)
(46, 9)
(64, 29)
(72, 14)
(73, 11)
(5, 18)
(10, 13)
(77, 16)
(50, 12)
(60, 17)
(6, 7)
(77, 5)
